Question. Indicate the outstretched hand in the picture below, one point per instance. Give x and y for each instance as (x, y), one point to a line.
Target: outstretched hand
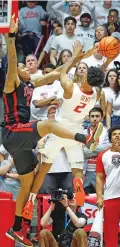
(77, 48)
(90, 52)
(13, 24)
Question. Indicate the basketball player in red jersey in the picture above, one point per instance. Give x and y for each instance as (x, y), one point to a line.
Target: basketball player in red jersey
(20, 136)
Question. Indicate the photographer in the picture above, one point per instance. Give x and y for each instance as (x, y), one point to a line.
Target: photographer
(66, 222)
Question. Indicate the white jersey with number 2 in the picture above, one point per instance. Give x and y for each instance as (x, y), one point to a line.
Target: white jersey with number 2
(75, 109)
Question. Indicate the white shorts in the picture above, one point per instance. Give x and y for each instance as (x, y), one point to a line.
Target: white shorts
(73, 150)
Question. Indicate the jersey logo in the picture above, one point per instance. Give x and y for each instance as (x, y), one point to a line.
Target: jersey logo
(28, 94)
(116, 160)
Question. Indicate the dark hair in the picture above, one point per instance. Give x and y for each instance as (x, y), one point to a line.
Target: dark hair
(70, 18)
(114, 10)
(56, 22)
(111, 130)
(95, 77)
(59, 62)
(116, 85)
(94, 109)
(49, 65)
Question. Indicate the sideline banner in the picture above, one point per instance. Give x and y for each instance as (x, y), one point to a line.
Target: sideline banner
(96, 234)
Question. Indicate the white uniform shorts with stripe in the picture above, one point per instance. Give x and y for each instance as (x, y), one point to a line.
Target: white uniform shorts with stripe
(72, 148)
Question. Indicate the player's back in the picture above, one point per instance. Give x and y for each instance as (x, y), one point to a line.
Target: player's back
(78, 106)
(17, 104)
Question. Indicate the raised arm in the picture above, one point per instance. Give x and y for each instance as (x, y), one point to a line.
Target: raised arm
(12, 79)
(78, 55)
(55, 75)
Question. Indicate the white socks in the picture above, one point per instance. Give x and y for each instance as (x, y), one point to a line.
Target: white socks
(32, 197)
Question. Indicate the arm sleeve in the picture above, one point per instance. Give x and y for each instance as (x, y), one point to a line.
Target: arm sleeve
(56, 9)
(48, 44)
(42, 12)
(54, 44)
(21, 20)
(99, 164)
(110, 99)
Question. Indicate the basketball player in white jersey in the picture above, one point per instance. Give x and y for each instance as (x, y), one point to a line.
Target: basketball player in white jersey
(77, 103)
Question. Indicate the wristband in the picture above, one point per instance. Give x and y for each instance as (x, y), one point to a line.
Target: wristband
(11, 35)
(66, 207)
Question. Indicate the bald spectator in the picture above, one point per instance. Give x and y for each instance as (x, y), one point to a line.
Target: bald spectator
(32, 65)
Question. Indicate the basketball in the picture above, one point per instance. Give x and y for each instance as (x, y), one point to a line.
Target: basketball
(109, 47)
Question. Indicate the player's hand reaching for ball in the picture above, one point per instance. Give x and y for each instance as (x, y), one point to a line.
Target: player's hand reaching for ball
(13, 24)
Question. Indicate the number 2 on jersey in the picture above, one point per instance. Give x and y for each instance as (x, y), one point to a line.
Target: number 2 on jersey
(79, 108)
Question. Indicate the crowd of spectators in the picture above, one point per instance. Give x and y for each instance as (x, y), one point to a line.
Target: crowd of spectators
(67, 21)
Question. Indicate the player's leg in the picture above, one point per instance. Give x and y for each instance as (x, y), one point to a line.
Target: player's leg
(25, 162)
(76, 159)
(51, 126)
(53, 145)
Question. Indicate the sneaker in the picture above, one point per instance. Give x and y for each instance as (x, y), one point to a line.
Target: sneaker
(28, 210)
(93, 138)
(35, 239)
(79, 191)
(19, 237)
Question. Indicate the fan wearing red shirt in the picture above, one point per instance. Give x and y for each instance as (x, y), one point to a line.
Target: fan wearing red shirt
(108, 181)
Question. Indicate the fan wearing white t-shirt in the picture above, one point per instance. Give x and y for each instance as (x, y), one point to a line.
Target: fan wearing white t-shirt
(108, 180)
(64, 41)
(95, 60)
(75, 9)
(89, 169)
(44, 96)
(85, 32)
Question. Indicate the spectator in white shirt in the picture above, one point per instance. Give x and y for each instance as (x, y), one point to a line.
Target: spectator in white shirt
(57, 30)
(100, 9)
(110, 84)
(75, 9)
(95, 60)
(113, 107)
(44, 96)
(64, 41)
(85, 32)
(63, 58)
